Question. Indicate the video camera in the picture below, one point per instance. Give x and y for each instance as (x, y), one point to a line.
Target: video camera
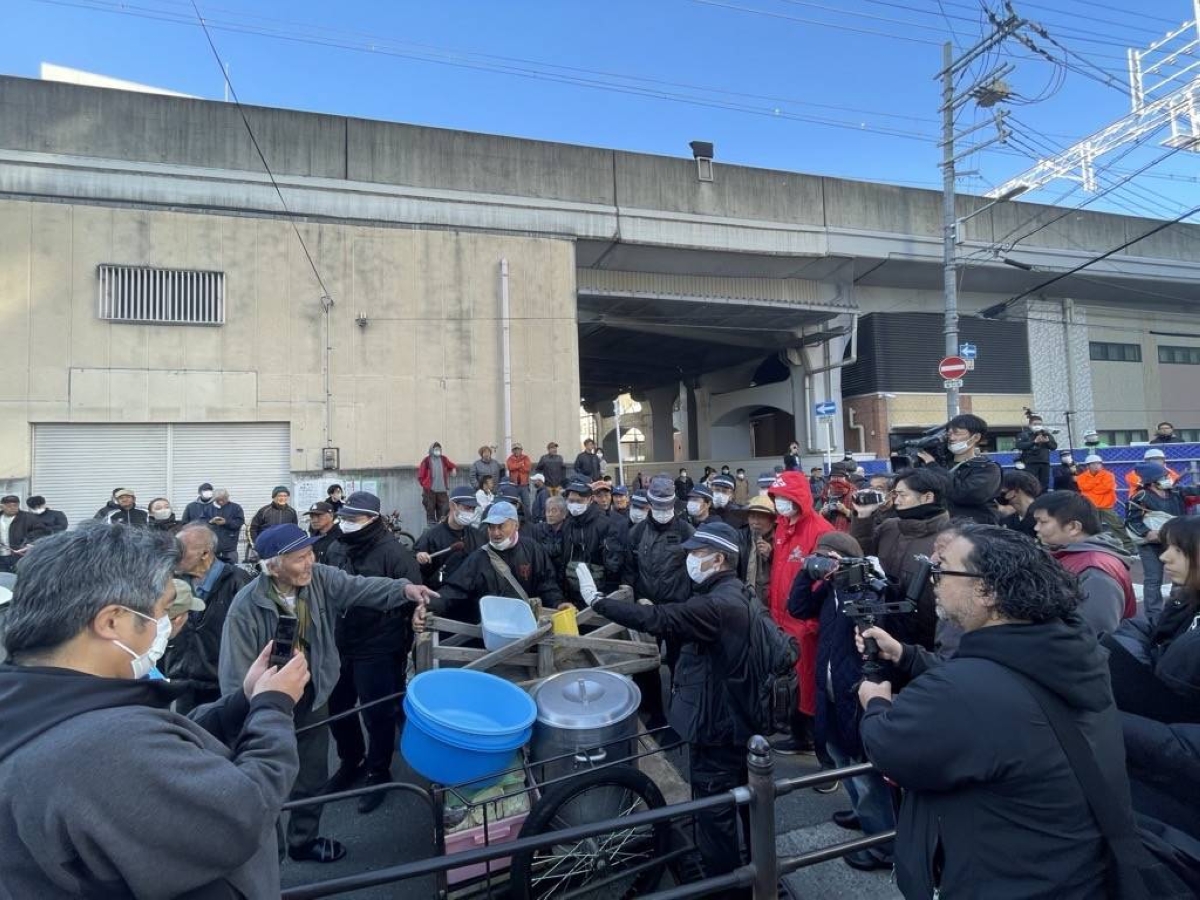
(932, 441)
(861, 595)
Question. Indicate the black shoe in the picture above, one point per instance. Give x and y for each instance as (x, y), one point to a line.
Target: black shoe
(790, 746)
(322, 850)
(866, 861)
(845, 818)
(344, 778)
(370, 802)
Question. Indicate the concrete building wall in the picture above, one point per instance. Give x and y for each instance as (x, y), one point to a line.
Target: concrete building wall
(425, 366)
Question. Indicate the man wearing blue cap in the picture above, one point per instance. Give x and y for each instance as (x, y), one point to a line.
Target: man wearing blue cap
(293, 585)
(374, 647)
(589, 536)
(713, 625)
(699, 505)
(445, 546)
(506, 566)
(722, 487)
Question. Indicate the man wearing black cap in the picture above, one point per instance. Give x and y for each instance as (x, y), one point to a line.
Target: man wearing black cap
(713, 625)
(699, 505)
(200, 509)
(323, 525)
(722, 487)
(553, 466)
(293, 585)
(374, 647)
(277, 512)
(620, 501)
(444, 547)
(600, 541)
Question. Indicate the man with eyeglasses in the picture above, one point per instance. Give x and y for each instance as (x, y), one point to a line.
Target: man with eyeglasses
(990, 795)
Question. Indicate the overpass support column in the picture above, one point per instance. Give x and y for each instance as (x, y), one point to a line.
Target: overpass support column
(662, 422)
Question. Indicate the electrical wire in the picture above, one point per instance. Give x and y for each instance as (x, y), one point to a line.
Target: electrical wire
(325, 295)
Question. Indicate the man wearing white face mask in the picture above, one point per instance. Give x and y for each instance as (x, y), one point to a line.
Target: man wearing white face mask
(508, 565)
(722, 497)
(639, 509)
(444, 547)
(700, 505)
(712, 626)
(200, 509)
(600, 541)
(974, 479)
(91, 755)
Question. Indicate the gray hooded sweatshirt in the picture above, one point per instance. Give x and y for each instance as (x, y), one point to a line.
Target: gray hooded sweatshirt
(106, 793)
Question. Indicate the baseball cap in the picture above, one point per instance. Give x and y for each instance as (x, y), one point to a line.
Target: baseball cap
(766, 479)
(620, 491)
(280, 539)
(500, 512)
(1150, 471)
(185, 600)
(724, 481)
(537, 476)
(578, 486)
(321, 508)
(701, 490)
(360, 503)
(601, 486)
(464, 496)
(714, 535)
(639, 499)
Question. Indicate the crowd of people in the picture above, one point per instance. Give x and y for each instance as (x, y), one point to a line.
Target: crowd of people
(1008, 635)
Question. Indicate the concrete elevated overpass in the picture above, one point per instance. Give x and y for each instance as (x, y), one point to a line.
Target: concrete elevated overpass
(683, 289)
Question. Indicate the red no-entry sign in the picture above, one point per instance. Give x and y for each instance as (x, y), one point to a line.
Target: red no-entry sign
(952, 367)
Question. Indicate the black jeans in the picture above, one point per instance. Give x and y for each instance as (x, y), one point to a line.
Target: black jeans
(714, 770)
(361, 681)
(313, 747)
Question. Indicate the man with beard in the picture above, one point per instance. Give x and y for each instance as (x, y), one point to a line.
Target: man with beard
(374, 647)
(444, 538)
(508, 565)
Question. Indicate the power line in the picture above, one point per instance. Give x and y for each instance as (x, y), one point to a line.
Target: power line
(257, 149)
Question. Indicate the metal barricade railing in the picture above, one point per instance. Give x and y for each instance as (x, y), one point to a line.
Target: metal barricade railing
(761, 873)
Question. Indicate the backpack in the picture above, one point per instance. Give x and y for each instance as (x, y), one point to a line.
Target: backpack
(769, 703)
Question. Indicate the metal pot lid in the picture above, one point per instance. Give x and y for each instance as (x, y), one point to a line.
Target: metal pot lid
(585, 698)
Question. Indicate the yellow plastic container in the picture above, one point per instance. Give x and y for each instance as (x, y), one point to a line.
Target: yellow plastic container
(564, 621)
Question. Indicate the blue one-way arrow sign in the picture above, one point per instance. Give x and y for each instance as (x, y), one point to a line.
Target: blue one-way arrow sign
(826, 408)
(968, 351)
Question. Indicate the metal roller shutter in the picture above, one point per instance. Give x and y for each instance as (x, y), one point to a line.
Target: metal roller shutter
(76, 466)
(249, 459)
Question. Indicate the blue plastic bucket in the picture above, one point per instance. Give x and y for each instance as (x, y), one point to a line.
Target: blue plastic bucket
(464, 726)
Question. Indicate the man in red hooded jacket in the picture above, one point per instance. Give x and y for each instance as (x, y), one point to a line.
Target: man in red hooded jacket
(796, 531)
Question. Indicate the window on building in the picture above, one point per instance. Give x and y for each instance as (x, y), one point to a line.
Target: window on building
(1124, 437)
(1189, 435)
(1183, 356)
(161, 296)
(1107, 352)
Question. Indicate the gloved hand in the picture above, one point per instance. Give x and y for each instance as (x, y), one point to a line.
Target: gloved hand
(624, 594)
(587, 584)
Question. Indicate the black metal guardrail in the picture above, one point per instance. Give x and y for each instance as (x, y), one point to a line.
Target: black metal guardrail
(761, 873)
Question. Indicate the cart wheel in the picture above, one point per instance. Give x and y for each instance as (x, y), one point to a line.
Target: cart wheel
(594, 864)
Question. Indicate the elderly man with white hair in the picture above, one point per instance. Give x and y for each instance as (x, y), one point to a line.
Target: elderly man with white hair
(294, 585)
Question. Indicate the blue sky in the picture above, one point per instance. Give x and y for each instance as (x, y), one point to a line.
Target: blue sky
(867, 65)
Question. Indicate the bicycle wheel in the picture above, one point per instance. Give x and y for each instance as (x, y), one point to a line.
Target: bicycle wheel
(593, 868)
(406, 539)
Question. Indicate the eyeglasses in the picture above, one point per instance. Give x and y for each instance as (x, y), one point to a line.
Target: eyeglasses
(936, 573)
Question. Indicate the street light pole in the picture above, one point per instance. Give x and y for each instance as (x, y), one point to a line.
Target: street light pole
(949, 222)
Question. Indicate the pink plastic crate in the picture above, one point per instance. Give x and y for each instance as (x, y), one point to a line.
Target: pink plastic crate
(501, 831)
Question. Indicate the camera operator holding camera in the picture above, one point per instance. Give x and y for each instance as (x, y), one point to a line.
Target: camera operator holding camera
(1035, 442)
(974, 479)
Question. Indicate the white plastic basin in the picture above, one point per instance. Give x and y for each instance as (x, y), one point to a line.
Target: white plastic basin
(505, 620)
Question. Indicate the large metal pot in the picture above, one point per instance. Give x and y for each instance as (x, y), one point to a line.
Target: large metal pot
(586, 716)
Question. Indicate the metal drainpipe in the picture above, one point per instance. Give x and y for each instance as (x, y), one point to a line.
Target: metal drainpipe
(506, 351)
(861, 429)
(828, 367)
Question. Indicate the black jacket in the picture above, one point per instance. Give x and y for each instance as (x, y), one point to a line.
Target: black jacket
(271, 515)
(973, 486)
(374, 552)
(1156, 668)
(551, 540)
(713, 625)
(477, 577)
(897, 541)
(1164, 771)
(587, 466)
(1168, 439)
(1032, 452)
(198, 511)
(554, 467)
(53, 521)
(440, 537)
(601, 542)
(683, 487)
(990, 798)
(660, 560)
(192, 654)
(1146, 501)
(26, 528)
(114, 515)
(228, 532)
(325, 543)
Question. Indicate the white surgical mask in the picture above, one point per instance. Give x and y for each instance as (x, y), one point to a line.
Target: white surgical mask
(37, 511)
(577, 509)
(720, 500)
(638, 515)
(465, 517)
(1165, 483)
(694, 571)
(693, 507)
(435, 452)
(959, 447)
(162, 515)
(144, 662)
(504, 544)
(206, 495)
(784, 506)
(351, 527)
(663, 516)
(741, 476)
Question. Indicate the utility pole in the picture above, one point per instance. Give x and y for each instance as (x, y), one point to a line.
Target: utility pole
(985, 92)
